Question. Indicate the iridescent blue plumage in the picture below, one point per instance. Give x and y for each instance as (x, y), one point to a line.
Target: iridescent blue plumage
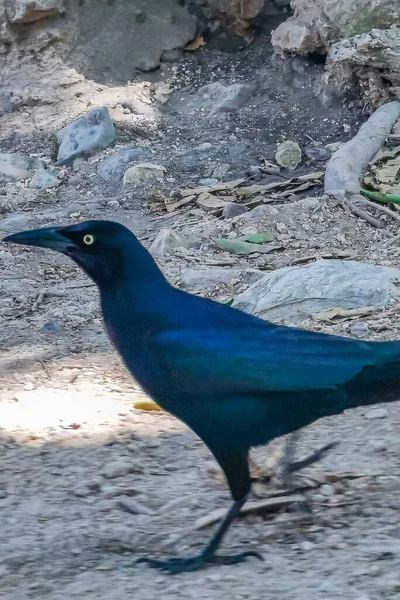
(236, 380)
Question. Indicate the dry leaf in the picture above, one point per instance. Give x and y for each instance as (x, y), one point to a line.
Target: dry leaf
(210, 202)
(337, 313)
(195, 44)
(146, 404)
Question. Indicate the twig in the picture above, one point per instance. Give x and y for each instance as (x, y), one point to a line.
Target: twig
(379, 207)
(266, 505)
(359, 212)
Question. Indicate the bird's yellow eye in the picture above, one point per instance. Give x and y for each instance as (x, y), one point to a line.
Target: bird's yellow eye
(88, 239)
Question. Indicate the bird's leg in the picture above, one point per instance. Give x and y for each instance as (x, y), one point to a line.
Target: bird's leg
(208, 555)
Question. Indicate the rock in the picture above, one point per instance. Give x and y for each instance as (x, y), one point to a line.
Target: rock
(327, 490)
(204, 280)
(219, 98)
(359, 329)
(368, 63)
(316, 153)
(306, 545)
(166, 240)
(119, 468)
(334, 540)
(334, 146)
(171, 56)
(290, 293)
(254, 171)
(293, 37)
(378, 445)
(232, 209)
(28, 11)
(377, 413)
(317, 24)
(112, 168)
(17, 166)
(144, 174)
(281, 228)
(94, 131)
(43, 179)
(208, 181)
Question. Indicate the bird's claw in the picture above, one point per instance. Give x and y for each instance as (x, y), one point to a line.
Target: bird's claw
(195, 563)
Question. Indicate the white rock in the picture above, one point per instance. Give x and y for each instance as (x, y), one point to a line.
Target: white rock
(43, 179)
(144, 174)
(377, 413)
(17, 166)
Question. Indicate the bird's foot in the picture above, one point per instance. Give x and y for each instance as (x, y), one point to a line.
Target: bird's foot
(195, 563)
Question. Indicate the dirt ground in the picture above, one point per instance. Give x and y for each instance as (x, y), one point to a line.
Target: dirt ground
(75, 451)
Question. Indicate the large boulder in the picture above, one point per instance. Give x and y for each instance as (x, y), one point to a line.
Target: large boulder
(317, 24)
(367, 65)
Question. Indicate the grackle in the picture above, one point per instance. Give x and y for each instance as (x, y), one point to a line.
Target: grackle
(237, 381)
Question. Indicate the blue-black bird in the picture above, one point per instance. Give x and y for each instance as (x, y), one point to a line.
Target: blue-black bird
(237, 381)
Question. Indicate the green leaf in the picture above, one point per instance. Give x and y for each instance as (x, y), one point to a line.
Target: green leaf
(257, 238)
(379, 197)
(229, 302)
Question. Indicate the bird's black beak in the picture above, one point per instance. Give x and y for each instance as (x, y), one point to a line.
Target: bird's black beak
(48, 237)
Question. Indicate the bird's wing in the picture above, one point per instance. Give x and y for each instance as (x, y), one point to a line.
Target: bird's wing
(257, 358)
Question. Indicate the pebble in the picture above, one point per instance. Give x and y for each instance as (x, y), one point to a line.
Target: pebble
(335, 541)
(378, 445)
(377, 413)
(232, 209)
(306, 545)
(281, 227)
(119, 468)
(254, 171)
(327, 490)
(359, 329)
(208, 181)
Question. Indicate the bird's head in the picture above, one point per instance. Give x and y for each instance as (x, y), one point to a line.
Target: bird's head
(106, 250)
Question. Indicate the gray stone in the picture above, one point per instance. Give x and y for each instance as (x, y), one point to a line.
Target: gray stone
(219, 98)
(290, 293)
(317, 24)
(377, 413)
(232, 210)
(316, 153)
(112, 167)
(359, 329)
(172, 56)
(17, 166)
(28, 11)
(144, 174)
(204, 280)
(94, 131)
(119, 468)
(208, 181)
(43, 179)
